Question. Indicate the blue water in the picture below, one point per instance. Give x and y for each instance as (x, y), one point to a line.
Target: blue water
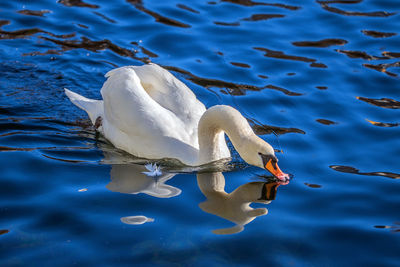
(66, 195)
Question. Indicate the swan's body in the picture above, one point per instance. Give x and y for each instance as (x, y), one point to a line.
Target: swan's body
(149, 113)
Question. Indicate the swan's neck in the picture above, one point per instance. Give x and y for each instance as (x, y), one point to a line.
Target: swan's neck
(216, 121)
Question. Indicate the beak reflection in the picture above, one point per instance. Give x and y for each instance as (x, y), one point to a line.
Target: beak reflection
(269, 191)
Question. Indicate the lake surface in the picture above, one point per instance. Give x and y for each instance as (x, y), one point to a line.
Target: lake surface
(319, 80)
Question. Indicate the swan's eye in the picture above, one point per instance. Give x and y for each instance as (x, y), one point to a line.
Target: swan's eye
(268, 158)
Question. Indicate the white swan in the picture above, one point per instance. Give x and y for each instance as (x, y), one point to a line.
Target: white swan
(149, 113)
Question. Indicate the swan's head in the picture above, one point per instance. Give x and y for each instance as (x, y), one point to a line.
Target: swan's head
(259, 153)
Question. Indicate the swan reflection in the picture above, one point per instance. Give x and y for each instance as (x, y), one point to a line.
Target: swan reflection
(130, 179)
(128, 176)
(234, 206)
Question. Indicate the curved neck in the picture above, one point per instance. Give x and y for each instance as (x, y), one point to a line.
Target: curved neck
(216, 121)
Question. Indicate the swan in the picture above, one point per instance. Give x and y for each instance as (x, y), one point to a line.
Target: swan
(149, 113)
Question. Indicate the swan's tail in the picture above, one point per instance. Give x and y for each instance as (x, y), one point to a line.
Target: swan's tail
(94, 108)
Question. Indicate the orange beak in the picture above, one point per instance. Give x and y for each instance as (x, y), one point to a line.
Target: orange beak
(273, 168)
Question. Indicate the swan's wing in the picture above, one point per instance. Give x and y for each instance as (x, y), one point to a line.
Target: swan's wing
(128, 107)
(172, 94)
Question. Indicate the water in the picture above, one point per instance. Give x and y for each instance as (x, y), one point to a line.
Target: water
(322, 76)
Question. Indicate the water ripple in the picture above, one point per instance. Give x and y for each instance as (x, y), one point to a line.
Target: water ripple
(383, 124)
(38, 13)
(383, 67)
(378, 34)
(76, 3)
(281, 55)
(138, 4)
(321, 43)
(349, 169)
(383, 102)
(327, 6)
(261, 129)
(255, 3)
(18, 34)
(187, 8)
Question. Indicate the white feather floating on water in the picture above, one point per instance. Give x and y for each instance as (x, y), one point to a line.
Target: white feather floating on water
(153, 170)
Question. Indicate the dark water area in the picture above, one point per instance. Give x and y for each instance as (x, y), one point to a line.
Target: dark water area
(319, 80)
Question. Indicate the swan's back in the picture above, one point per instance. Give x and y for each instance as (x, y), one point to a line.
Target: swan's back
(152, 123)
(169, 92)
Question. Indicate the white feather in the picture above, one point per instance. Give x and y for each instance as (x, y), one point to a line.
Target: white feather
(153, 170)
